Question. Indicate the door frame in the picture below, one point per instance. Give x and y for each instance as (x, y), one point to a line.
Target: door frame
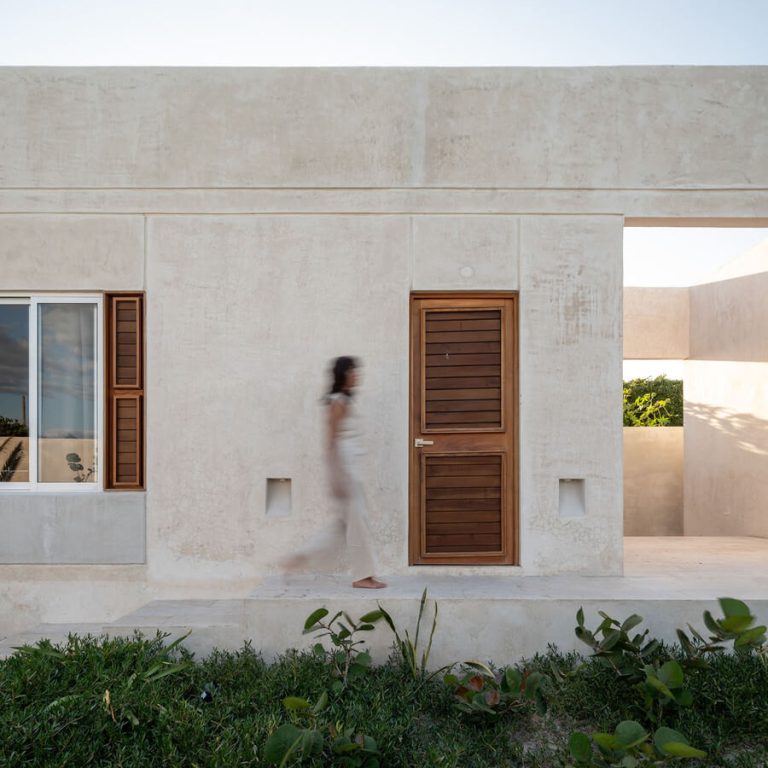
(512, 460)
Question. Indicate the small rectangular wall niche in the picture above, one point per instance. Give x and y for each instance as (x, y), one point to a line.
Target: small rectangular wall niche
(278, 496)
(572, 503)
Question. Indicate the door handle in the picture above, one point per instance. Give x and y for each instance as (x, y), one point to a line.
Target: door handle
(419, 443)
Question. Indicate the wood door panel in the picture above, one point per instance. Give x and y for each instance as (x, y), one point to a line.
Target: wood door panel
(440, 382)
(462, 347)
(469, 494)
(451, 371)
(479, 516)
(463, 479)
(442, 336)
(465, 533)
(439, 361)
(464, 315)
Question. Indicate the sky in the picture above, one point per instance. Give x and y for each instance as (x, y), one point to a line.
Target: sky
(682, 256)
(416, 33)
(382, 32)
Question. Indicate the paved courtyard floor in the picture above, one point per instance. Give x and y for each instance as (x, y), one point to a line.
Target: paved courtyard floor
(664, 568)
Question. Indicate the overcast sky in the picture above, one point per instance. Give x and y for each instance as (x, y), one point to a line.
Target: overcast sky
(383, 32)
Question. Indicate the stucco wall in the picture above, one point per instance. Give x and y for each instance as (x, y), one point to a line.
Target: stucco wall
(580, 128)
(726, 407)
(276, 218)
(653, 481)
(726, 448)
(656, 322)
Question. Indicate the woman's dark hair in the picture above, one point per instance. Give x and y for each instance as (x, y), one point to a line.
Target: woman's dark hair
(341, 367)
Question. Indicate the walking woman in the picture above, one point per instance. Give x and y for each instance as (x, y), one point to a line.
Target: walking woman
(343, 451)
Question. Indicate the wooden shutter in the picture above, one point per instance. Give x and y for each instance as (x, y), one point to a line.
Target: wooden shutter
(124, 391)
(462, 366)
(462, 505)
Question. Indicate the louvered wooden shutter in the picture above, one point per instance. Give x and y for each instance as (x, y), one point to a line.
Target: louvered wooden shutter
(125, 391)
(463, 370)
(463, 503)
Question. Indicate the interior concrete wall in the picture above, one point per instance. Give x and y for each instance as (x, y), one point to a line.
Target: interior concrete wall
(728, 319)
(270, 235)
(723, 329)
(653, 481)
(656, 323)
(726, 448)
(726, 406)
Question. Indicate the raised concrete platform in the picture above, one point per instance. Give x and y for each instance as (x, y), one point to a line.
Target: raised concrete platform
(56, 633)
(668, 581)
(210, 623)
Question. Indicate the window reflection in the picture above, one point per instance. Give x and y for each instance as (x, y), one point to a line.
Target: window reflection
(67, 393)
(14, 393)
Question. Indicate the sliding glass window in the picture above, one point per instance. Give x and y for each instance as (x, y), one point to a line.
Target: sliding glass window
(50, 393)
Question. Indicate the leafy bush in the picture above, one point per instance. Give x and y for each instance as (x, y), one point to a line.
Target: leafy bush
(484, 691)
(653, 402)
(737, 625)
(348, 660)
(630, 745)
(137, 702)
(290, 743)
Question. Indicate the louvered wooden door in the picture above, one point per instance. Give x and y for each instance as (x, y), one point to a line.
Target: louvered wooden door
(463, 436)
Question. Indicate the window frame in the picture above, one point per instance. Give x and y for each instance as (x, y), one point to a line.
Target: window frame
(34, 301)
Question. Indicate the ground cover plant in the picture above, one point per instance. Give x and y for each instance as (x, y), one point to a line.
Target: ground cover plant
(143, 702)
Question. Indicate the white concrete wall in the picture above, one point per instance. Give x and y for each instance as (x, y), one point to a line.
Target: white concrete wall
(588, 128)
(243, 315)
(570, 404)
(653, 481)
(276, 218)
(656, 322)
(726, 407)
(726, 448)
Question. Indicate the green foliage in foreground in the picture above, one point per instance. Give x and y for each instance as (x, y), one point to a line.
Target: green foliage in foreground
(134, 702)
(656, 402)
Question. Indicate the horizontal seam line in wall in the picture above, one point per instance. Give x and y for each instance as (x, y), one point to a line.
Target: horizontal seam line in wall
(644, 190)
(311, 212)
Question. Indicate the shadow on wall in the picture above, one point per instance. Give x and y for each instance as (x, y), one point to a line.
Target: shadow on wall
(725, 472)
(747, 432)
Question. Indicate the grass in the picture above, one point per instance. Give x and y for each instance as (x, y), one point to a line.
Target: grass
(164, 708)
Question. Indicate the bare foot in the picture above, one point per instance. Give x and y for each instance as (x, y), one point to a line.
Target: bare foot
(369, 583)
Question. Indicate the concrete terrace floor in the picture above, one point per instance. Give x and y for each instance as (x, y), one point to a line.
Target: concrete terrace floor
(670, 581)
(674, 567)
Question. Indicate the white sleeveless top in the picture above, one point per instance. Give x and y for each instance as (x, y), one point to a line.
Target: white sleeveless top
(350, 434)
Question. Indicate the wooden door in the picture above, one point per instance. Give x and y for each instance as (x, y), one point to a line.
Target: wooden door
(463, 430)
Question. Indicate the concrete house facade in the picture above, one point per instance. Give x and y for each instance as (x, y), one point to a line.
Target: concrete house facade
(267, 220)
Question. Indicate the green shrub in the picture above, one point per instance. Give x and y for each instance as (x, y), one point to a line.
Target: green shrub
(138, 702)
(652, 402)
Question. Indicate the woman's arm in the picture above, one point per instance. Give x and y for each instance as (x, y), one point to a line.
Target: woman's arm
(336, 412)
